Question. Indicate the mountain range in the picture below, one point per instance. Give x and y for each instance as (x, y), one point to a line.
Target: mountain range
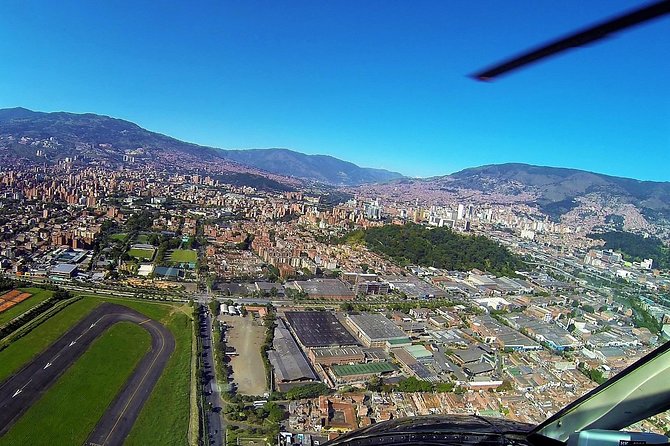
(29, 136)
(559, 190)
(102, 139)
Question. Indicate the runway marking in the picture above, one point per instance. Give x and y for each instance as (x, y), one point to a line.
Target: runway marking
(21, 389)
(151, 366)
(6, 382)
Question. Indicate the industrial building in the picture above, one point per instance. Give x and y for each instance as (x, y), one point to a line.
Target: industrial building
(325, 289)
(360, 372)
(290, 367)
(371, 288)
(63, 270)
(365, 283)
(374, 330)
(318, 329)
(412, 366)
(336, 355)
(494, 332)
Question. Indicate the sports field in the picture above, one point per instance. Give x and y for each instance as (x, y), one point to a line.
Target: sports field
(184, 256)
(121, 236)
(12, 298)
(141, 253)
(164, 419)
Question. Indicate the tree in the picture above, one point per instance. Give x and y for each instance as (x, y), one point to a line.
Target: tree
(438, 247)
(374, 384)
(506, 386)
(413, 384)
(311, 390)
(274, 413)
(444, 387)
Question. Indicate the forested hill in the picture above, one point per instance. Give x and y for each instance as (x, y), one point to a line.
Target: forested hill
(413, 244)
(636, 247)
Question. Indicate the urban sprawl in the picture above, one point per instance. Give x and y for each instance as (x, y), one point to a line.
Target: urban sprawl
(377, 340)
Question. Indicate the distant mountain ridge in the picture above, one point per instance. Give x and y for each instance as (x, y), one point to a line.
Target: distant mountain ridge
(323, 168)
(103, 139)
(36, 137)
(557, 189)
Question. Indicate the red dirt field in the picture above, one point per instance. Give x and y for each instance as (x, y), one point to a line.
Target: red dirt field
(6, 306)
(21, 297)
(10, 294)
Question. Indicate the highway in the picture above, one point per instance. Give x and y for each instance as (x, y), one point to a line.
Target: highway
(25, 387)
(212, 392)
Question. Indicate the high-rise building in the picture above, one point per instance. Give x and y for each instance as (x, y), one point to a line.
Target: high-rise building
(461, 212)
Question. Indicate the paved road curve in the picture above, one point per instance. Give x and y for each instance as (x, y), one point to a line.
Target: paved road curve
(24, 388)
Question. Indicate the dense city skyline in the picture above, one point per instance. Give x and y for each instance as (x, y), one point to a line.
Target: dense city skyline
(392, 92)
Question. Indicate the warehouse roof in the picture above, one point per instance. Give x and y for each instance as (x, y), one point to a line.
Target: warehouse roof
(370, 368)
(418, 351)
(287, 359)
(336, 351)
(376, 326)
(324, 287)
(319, 329)
(63, 268)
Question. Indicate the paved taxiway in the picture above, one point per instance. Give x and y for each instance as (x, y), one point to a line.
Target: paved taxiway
(25, 387)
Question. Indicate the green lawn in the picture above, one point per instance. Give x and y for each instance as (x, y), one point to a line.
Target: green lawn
(184, 256)
(27, 347)
(69, 411)
(142, 238)
(121, 236)
(38, 296)
(141, 253)
(165, 416)
(159, 311)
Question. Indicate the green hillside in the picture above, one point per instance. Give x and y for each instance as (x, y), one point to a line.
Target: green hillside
(413, 244)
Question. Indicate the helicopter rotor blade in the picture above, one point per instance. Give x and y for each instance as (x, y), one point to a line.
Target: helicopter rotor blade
(577, 39)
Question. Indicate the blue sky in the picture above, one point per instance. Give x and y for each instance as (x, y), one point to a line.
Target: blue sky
(380, 83)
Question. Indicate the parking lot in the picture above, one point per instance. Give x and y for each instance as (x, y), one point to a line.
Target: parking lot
(246, 336)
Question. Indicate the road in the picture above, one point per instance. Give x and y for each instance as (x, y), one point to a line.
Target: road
(212, 393)
(25, 387)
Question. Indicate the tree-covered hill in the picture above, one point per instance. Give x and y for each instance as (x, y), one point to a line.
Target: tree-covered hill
(636, 247)
(413, 244)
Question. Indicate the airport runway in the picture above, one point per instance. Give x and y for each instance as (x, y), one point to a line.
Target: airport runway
(25, 387)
